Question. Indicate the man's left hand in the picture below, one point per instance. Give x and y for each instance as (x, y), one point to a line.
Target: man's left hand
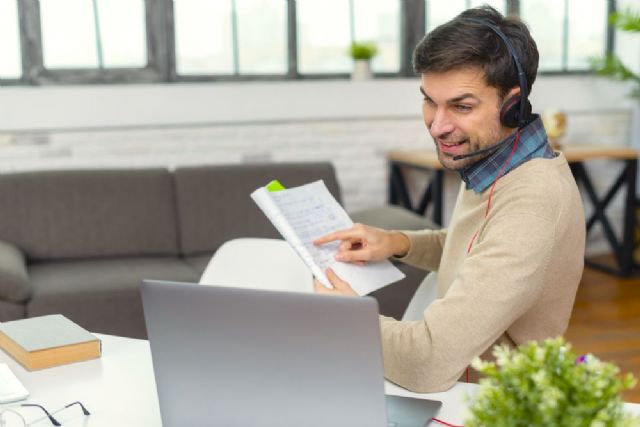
(340, 287)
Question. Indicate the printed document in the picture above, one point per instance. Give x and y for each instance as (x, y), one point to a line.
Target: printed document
(303, 214)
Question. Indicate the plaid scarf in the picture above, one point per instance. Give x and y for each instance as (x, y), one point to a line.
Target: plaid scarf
(533, 144)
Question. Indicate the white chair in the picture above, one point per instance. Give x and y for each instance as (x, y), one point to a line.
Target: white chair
(426, 293)
(259, 264)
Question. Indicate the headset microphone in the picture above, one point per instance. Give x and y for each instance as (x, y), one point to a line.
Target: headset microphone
(482, 151)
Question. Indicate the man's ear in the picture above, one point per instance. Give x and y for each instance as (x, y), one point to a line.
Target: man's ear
(512, 92)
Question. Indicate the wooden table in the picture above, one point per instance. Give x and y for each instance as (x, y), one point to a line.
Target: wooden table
(577, 155)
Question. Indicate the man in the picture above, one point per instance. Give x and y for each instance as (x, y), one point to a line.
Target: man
(510, 262)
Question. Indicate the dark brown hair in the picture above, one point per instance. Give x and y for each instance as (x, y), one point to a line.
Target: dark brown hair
(462, 43)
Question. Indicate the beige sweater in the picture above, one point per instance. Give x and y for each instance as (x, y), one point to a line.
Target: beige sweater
(517, 284)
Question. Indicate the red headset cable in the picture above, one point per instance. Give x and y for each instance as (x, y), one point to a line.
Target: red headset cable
(486, 213)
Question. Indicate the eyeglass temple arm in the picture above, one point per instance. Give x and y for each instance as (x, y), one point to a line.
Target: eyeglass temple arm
(35, 405)
(84, 410)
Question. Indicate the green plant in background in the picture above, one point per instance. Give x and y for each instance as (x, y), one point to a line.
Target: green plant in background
(365, 50)
(546, 384)
(612, 66)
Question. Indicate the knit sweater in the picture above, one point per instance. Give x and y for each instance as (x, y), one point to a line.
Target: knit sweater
(517, 283)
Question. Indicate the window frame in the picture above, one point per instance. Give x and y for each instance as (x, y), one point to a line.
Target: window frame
(161, 54)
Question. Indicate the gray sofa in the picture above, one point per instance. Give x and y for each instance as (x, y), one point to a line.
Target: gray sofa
(79, 242)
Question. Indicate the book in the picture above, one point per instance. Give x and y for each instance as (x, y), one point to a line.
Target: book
(303, 214)
(45, 341)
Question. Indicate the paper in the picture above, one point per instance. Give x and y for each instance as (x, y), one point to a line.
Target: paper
(305, 213)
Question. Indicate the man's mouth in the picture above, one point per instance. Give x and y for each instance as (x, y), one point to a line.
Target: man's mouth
(451, 147)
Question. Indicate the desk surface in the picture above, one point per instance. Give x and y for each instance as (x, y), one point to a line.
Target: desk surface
(574, 153)
(119, 388)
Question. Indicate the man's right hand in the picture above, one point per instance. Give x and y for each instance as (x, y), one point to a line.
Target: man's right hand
(362, 243)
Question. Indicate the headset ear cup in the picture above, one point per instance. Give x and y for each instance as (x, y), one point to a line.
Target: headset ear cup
(510, 112)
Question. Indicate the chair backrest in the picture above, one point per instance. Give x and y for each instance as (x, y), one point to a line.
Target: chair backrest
(426, 293)
(259, 264)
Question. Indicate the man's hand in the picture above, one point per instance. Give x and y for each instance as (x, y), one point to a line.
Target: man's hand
(362, 243)
(340, 287)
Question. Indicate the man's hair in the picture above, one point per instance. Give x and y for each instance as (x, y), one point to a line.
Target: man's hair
(463, 43)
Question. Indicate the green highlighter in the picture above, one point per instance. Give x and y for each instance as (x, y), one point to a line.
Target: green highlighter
(274, 186)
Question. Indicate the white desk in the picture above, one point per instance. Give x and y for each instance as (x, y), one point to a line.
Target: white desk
(119, 388)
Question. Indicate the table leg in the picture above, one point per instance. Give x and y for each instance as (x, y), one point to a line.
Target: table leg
(628, 238)
(438, 205)
(398, 193)
(622, 250)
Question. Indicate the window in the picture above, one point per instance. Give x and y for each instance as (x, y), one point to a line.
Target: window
(262, 36)
(230, 37)
(83, 34)
(567, 32)
(587, 32)
(379, 21)
(203, 37)
(104, 41)
(545, 21)
(327, 28)
(437, 12)
(10, 59)
(324, 36)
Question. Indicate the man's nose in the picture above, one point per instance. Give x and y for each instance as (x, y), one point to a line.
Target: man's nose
(441, 124)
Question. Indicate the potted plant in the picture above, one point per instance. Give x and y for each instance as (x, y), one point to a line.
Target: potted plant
(362, 54)
(612, 66)
(546, 384)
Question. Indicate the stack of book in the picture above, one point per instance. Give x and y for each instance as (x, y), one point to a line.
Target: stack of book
(46, 341)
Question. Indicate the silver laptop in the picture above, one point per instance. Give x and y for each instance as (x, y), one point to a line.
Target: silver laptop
(250, 358)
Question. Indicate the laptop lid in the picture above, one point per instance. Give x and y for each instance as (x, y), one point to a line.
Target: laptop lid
(240, 357)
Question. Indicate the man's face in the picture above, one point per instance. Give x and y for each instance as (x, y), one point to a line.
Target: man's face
(462, 114)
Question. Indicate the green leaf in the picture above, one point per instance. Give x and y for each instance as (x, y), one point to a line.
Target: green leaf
(626, 21)
(365, 50)
(543, 384)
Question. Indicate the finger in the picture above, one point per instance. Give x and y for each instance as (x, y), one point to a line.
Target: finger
(348, 234)
(337, 282)
(354, 255)
(345, 246)
(341, 287)
(319, 288)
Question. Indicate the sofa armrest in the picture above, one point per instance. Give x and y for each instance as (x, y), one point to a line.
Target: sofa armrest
(14, 281)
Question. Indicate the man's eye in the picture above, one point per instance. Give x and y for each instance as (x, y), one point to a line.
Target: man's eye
(463, 108)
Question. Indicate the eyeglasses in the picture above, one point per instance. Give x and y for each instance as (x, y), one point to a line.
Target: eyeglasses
(10, 417)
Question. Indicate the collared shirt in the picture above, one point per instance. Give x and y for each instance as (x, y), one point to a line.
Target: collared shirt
(532, 144)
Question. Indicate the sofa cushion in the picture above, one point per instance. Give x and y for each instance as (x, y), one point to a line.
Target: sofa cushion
(214, 203)
(14, 282)
(92, 213)
(101, 295)
(11, 311)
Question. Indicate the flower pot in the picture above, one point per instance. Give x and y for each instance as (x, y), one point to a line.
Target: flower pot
(361, 69)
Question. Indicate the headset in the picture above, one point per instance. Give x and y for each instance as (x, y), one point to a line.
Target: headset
(516, 111)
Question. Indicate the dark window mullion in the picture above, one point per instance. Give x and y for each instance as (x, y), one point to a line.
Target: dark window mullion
(565, 37)
(352, 22)
(96, 21)
(292, 39)
(234, 38)
(30, 40)
(413, 28)
(611, 29)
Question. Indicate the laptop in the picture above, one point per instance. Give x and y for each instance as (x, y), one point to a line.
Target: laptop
(252, 358)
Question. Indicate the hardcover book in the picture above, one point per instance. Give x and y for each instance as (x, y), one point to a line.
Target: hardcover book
(45, 341)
